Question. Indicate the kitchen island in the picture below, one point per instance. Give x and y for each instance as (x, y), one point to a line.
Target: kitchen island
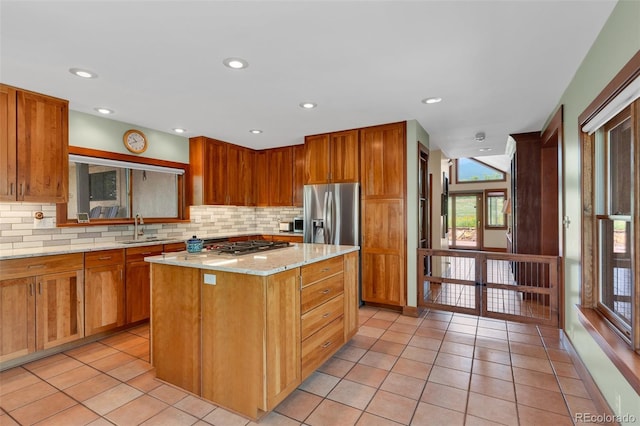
(245, 331)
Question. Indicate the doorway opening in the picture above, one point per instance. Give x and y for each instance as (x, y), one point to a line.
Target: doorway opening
(465, 219)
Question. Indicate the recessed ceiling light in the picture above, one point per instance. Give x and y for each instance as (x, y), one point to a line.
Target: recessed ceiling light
(308, 105)
(485, 149)
(431, 100)
(255, 131)
(235, 63)
(179, 130)
(105, 111)
(479, 137)
(83, 73)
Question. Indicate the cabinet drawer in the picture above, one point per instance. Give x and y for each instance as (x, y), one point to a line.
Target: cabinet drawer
(320, 346)
(139, 253)
(317, 318)
(103, 258)
(30, 266)
(174, 247)
(321, 270)
(318, 293)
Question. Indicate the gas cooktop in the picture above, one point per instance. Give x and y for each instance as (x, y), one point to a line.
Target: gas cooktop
(244, 247)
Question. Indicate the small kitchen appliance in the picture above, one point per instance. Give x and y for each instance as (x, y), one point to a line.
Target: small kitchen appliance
(298, 225)
(285, 226)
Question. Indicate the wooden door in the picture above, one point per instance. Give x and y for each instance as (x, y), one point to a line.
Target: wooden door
(17, 318)
(316, 161)
(261, 176)
(281, 176)
(59, 309)
(8, 158)
(383, 161)
(344, 157)
(239, 177)
(351, 301)
(42, 146)
(104, 298)
(283, 336)
(298, 175)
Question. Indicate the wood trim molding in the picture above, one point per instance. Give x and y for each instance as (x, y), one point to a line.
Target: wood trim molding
(627, 74)
(88, 152)
(555, 125)
(616, 349)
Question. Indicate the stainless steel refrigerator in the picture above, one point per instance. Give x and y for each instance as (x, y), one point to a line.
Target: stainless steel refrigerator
(332, 213)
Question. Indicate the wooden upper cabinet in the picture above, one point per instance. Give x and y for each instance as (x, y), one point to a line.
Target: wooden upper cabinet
(8, 153)
(382, 160)
(344, 160)
(316, 159)
(332, 157)
(298, 175)
(221, 173)
(281, 176)
(33, 147)
(240, 169)
(262, 186)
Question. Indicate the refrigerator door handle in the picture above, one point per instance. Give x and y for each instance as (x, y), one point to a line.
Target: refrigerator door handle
(329, 239)
(325, 223)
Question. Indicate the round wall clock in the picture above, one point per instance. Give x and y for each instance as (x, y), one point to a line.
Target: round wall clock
(135, 141)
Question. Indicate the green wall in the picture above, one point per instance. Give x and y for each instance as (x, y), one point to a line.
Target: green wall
(415, 134)
(618, 41)
(90, 131)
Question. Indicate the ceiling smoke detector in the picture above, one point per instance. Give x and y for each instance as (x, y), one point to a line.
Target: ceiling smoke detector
(479, 137)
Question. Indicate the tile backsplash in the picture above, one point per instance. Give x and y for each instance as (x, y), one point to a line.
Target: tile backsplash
(19, 229)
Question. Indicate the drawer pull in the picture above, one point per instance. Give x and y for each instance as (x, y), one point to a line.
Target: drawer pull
(325, 291)
(36, 266)
(146, 252)
(325, 269)
(104, 258)
(326, 344)
(326, 315)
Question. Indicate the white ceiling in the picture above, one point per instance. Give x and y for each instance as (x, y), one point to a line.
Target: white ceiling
(500, 66)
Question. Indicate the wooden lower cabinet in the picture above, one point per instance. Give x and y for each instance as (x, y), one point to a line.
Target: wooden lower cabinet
(42, 311)
(104, 291)
(137, 282)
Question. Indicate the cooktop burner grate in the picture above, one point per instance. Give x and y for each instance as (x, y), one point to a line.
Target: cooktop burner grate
(245, 247)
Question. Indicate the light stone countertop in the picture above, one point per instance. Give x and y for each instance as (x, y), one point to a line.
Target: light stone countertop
(262, 263)
(81, 248)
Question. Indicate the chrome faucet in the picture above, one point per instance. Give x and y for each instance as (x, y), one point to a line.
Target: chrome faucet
(137, 232)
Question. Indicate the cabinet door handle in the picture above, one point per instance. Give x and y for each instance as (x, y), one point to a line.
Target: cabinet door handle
(22, 189)
(40, 287)
(35, 266)
(326, 315)
(11, 189)
(326, 344)
(104, 258)
(30, 289)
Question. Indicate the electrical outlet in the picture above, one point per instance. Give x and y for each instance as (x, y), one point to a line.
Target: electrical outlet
(210, 279)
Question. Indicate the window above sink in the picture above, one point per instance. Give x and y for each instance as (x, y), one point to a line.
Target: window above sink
(112, 188)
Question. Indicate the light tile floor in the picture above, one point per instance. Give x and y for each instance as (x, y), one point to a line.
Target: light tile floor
(442, 369)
